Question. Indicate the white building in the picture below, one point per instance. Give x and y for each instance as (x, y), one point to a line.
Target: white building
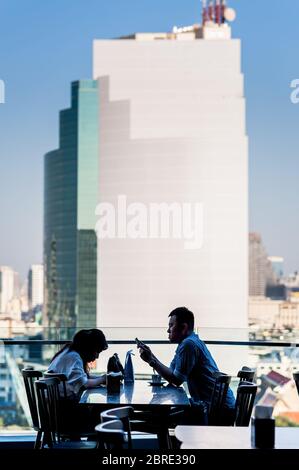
(273, 314)
(7, 287)
(36, 285)
(172, 129)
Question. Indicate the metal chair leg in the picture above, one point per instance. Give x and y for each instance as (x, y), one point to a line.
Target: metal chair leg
(38, 440)
(164, 439)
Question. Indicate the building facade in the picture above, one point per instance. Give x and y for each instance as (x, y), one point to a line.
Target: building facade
(36, 285)
(261, 273)
(277, 263)
(172, 130)
(7, 287)
(70, 187)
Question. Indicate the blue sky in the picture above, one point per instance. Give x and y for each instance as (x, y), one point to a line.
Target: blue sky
(45, 45)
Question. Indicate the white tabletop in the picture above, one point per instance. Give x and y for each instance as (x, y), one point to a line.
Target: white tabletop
(229, 437)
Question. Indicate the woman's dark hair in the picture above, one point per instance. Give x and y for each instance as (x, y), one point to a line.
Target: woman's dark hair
(86, 343)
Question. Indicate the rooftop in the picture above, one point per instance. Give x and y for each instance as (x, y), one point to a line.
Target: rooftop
(210, 30)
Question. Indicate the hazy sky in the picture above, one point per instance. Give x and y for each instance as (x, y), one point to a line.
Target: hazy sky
(44, 45)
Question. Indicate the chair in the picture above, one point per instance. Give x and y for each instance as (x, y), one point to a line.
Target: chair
(159, 423)
(123, 414)
(246, 374)
(61, 377)
(219, 394)
(68, 410)
(133, 421)
(48, 399)
(296, 378)
(30, 376)
(246, 394)
(111, 434)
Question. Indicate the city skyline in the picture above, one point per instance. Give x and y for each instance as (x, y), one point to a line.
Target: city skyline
(34, 97)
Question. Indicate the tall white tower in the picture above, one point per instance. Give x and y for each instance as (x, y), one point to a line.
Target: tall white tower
(36, 285)
(172, 129)
(7, 287)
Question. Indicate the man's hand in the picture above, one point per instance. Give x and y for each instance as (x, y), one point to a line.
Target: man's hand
(145, 353)
(147, 356)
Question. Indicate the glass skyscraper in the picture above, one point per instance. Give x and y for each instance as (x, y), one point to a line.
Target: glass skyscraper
(70, 196)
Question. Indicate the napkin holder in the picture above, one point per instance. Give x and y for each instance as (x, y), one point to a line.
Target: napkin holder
(263, 428)
(113, 380)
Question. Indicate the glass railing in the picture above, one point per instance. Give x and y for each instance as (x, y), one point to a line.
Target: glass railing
(274, 356)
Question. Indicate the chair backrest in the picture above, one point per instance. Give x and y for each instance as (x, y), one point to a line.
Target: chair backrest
(123, 414)
(246, 374)
(246, 394)
(48, 396)
(62, 378)
(219, 394)
(111, 434)
(296, 378)
(30, 376)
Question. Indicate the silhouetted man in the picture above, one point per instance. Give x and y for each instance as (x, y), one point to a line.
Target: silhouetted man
(192, 363)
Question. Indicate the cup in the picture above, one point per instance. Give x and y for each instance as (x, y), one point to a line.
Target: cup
(156, 379)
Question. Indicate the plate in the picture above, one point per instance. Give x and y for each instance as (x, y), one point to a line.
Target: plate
(157, 384)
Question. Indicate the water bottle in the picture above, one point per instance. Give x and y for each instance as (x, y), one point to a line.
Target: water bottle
(129, 372)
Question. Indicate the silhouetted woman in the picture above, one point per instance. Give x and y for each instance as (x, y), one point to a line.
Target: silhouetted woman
(73, 359)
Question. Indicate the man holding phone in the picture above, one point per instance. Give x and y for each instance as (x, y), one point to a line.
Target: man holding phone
(192, 363)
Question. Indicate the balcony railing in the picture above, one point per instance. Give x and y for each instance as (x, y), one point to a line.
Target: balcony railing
(274, 362)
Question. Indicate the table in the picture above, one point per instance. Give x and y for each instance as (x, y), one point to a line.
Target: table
(229, 437)
(158, 400)
(140, 395)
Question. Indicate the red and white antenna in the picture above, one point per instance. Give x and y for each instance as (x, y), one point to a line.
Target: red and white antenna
(223, 7)
(218, 12)
(205, 16)
(211, 11)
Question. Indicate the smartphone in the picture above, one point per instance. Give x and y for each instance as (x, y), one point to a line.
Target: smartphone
(139, 343)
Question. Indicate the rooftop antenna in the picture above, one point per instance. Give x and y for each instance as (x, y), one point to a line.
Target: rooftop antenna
(211, 11)
(222, 8)
(218, 12)
(205, 16)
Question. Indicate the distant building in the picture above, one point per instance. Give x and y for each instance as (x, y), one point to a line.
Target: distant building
(277, 265)
(275, 289)
(288, 316)
(292, 280)
(17, 285)
(7, 391)
(7, 287)
(70, 197)
(273, 314)
(261, 273)
(293, 294)
(291, 284)
(263, 312)
(276, 292)
(36, 285)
